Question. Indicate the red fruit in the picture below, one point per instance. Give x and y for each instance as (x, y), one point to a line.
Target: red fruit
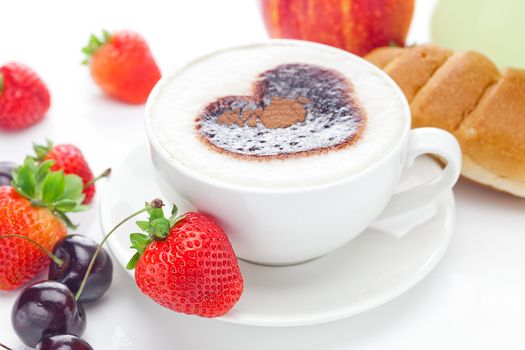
(71, 160)
(123, 66)
(35, 208)
(24, 98)
(357, 26)
(21, 260)
(190, 267)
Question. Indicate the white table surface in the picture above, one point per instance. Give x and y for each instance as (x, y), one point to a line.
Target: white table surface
(474, 299)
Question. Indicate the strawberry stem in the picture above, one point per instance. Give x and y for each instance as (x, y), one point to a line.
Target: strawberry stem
(53, 257)
(154, 203)
(1, 83)
(5, 347)
(106, 173)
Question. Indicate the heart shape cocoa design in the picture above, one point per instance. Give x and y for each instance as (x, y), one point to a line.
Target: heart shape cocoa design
(295, 110)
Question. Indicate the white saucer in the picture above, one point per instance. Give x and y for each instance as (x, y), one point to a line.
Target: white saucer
(366, 273)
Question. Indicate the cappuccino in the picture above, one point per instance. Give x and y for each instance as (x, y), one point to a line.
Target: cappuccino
(278, 115)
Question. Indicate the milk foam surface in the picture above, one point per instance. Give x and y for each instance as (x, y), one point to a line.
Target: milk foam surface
(181, 98)
(296, 109)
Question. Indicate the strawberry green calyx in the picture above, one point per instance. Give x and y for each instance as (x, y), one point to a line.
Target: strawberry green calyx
(155, 203)
(157, 228)
(41, 151)
(49, 189)
(94, 44)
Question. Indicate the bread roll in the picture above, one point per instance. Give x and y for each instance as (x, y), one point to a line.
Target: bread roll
(413, 69)
(380, 57)
(465, 94)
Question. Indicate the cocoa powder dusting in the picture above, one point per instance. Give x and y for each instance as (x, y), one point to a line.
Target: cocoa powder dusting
(294, 110)
(280, 113)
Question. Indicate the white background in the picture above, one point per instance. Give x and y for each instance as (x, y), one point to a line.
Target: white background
(475, 298)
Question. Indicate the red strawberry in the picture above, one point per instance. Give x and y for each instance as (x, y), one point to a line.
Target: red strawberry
(71, 160)
(186, 263)
(24, 98)
(35, 207)
(122, 65)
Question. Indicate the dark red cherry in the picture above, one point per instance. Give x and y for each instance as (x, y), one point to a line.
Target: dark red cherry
(63, 342)
(44, 309)
(6, 168)
(76, 252)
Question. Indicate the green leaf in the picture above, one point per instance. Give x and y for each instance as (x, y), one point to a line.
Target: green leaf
(43, 170)
(94, 44)
(174, 211)
(54, 186)
(133, 262)
(73, 188)
(80, 207)
(143, 225)
(25, 179)
(49, 189)
(66, 220)
(66, 205)
(139, 241)
(41, 151)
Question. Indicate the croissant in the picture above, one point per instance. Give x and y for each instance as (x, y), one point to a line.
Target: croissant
(465, 94)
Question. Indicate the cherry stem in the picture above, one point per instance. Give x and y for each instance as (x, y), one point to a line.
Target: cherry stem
(53, 257)
(5, 347)
(154, 204)
(106, 173)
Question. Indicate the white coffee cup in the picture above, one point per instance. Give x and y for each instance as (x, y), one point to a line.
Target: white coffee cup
(281, 226)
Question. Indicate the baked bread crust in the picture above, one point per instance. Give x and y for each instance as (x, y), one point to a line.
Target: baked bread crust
(413, 69)
(383, 55)
(465, 94)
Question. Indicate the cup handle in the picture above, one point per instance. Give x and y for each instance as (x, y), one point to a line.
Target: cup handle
(427, 141)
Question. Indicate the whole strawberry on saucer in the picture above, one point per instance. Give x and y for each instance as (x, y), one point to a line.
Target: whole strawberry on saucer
(24, 97)
(186, 263)
(35, 208)
(122, 65)
(70, 159)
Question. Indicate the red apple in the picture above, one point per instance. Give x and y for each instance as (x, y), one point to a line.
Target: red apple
(358, 26)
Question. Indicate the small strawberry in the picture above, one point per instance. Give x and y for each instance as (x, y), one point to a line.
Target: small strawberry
(71, 160)
(122, 65)
(186, 263)
(24, 98)
(35, 207)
